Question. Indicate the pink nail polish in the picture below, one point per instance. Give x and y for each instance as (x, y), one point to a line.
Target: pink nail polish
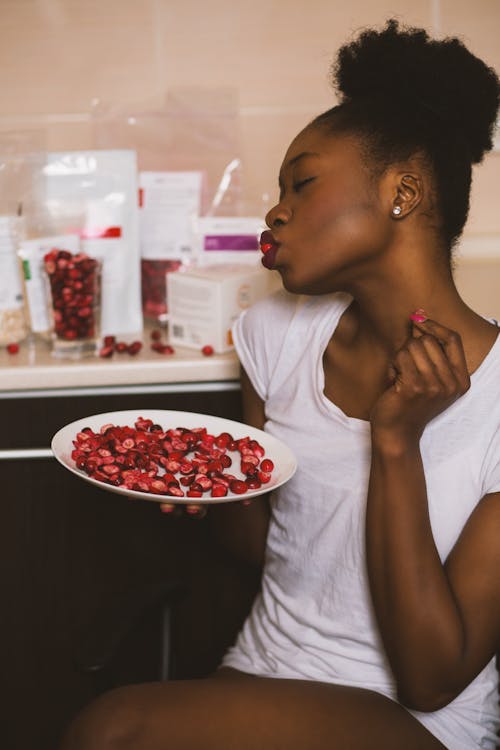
(418, 316)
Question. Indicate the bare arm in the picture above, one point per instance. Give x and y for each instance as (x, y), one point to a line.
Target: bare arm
(239, 528)
(440, 624)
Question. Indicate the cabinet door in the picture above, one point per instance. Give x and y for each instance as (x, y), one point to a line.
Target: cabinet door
(66, 547)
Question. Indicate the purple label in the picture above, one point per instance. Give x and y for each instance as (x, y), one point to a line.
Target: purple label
(231, 242)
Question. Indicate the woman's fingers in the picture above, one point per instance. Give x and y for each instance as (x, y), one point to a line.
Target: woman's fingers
(196, 511)
(432, 364)
(452, 346)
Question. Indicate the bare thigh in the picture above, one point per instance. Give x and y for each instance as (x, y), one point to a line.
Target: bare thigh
(234, 711)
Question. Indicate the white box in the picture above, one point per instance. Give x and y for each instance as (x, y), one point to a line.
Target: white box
(204, 302)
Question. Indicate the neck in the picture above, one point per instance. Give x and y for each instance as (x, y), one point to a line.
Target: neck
(385, 301)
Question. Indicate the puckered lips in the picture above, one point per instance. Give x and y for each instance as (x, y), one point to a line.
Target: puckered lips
(269, 247)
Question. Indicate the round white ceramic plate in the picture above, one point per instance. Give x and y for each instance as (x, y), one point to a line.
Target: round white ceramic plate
(284, 461)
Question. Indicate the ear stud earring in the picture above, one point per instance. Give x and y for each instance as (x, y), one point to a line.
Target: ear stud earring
(396, 210)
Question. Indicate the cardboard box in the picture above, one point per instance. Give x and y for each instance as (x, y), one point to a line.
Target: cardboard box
(204, 302)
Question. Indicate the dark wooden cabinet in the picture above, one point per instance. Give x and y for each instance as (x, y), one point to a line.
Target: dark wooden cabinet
(67, 547)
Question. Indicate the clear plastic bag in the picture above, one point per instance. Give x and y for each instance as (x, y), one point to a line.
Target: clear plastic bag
(192, 140)
(93, 194)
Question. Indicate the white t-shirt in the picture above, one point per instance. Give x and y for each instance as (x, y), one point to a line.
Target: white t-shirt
(313, 618)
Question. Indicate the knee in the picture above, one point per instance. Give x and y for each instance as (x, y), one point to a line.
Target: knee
(112, 722)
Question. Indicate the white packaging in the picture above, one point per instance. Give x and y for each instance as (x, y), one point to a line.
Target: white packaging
(169, 202)
(228, 239)
(94, 193)
(31, 253)
(205, 301)
(12, 320)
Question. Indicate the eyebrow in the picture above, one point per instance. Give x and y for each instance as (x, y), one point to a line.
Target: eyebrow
(302, 155)
(291, 162)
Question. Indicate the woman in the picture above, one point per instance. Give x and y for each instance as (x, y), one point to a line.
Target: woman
(379, 615)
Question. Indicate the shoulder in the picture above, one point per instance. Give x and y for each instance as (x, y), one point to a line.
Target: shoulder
(278, 311)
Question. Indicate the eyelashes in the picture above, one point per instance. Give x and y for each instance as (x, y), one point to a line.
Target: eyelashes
(297, 186)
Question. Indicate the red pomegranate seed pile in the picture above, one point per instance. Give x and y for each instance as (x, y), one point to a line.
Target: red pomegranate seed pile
(181, 462)
(157, 345)
(74, 287)
(111, 345)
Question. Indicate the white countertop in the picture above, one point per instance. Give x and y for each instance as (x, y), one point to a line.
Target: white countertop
(34, 368)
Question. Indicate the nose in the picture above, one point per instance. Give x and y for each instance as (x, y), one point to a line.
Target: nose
(277, 216)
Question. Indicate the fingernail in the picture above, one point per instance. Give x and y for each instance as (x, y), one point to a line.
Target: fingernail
(193, 510)
(166, 508)
(418, 316)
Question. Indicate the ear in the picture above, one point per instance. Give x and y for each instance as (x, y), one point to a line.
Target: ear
(407, 191)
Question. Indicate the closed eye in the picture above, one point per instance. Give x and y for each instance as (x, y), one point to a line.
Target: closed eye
(297, 186)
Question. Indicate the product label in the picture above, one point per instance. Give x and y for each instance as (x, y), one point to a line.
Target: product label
(31, 253)
(11, 296)
(231, 242)
(168, 202)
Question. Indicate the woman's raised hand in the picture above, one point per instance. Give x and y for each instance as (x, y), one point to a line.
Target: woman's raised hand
(428, 374)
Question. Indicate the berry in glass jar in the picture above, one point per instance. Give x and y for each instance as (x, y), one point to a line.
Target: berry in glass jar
(154, 286)
(74, 285)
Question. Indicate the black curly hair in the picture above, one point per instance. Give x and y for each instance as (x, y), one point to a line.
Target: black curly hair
(404, 93)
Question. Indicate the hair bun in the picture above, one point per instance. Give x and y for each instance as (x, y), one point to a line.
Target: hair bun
(408, 70)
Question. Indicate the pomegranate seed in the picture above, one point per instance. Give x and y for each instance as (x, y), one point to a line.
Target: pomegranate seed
(218, 490)
(134, 348)
(158, 486)
(106, 351)
(253, 484)
(247, 468)
(203, 481)
(223, 440)
(238, 487)
(155, 335)
(264, 477)
(121, 347)
(13, 348)
(267, 466)
(194, 493)
(251, 459)
(207, 350)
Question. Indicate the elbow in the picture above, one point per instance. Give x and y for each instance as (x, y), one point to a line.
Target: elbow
(425, 700)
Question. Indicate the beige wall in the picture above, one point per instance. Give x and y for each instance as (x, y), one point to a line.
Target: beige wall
(57, 56)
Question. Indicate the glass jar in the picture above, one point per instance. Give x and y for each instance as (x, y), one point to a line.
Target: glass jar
(74, 297)
(154, 287)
